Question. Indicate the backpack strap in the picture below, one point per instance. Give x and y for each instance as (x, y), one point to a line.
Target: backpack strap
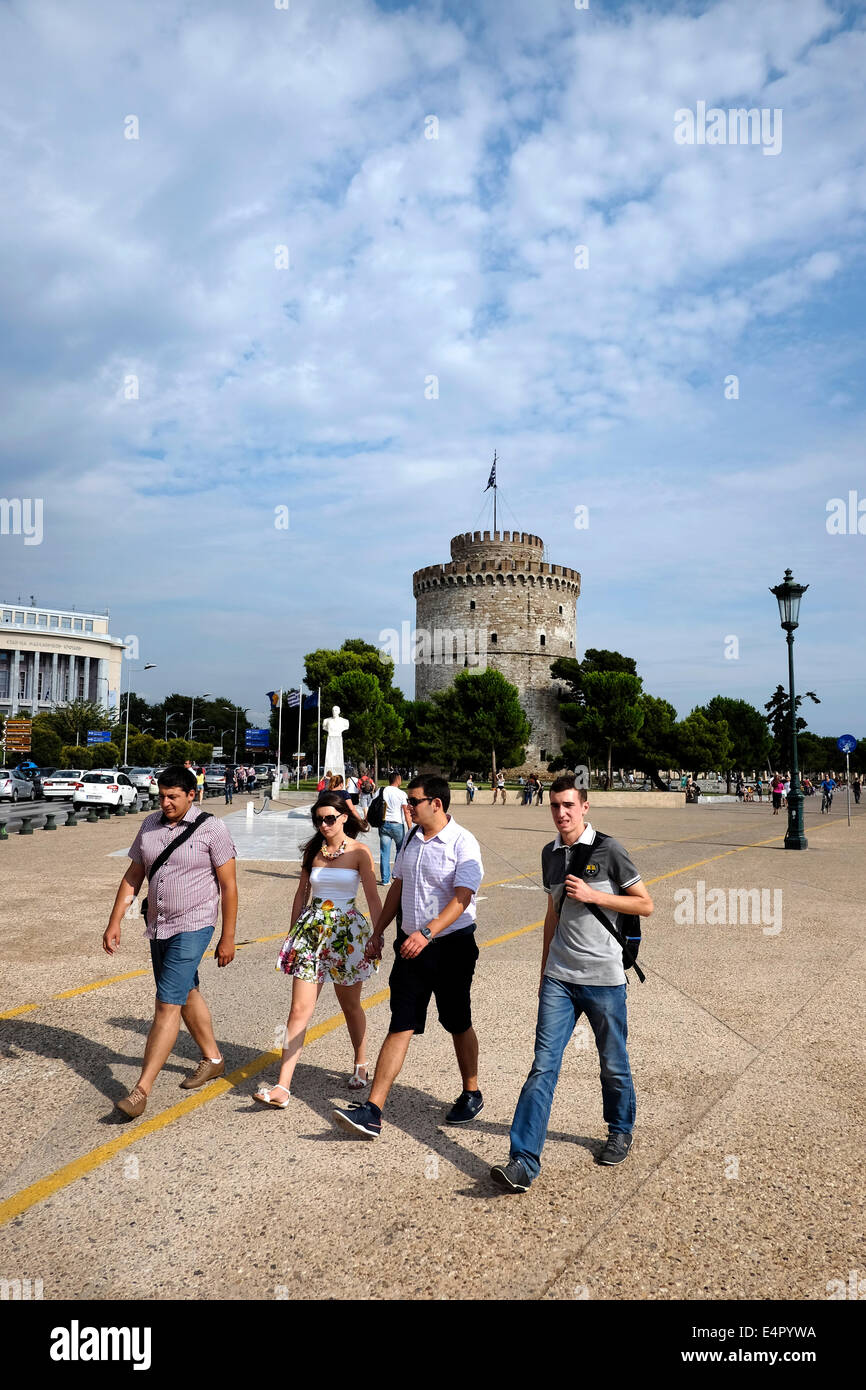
(577, 862)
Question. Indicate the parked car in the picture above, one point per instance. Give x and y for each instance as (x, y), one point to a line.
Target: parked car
(143, 778)
(60, 785)
(14, 786)
(104, 787)
(214, 777)
(34, 777)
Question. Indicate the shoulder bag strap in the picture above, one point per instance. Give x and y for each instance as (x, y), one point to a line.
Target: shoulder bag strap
(175, 844)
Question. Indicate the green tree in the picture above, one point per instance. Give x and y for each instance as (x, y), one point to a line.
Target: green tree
(142, 750)
(704, 743)
(374, 725)
(480, 722)
(747, 727)
(323, 667)
(585, 740)
(106, 755)
(45, 743)
(656, 743)
(778, 709)
(73, 756)
(71, 720)
(613, 707)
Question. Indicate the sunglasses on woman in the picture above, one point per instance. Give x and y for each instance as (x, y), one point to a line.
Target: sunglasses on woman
(325, 820)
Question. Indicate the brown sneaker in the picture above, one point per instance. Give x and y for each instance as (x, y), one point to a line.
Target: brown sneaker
(133, 1105)
(204, 1072)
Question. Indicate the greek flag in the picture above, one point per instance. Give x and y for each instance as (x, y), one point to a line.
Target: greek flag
(293, 699)
(491, 481)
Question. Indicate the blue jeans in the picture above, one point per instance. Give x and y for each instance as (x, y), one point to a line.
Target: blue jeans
(389, 830)
(559, 1007)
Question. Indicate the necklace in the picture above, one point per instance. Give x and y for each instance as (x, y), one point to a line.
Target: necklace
(335, 854)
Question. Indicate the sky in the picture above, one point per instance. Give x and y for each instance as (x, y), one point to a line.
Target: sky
(277, 281)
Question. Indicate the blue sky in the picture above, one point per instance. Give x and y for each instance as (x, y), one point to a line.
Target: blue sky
(409, 257)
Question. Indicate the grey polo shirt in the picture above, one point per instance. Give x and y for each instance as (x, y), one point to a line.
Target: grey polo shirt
(582, 952)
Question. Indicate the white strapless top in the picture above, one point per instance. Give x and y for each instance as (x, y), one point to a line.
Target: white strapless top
(340, 885)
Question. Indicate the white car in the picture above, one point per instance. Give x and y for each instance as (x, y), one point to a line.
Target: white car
(143, 778)
(61, 785)
(104, 787)
(15, 786)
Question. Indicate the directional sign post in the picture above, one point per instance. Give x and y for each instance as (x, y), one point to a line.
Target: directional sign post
(98, 736)
(846, 744)
(258, 738)
(16, 735)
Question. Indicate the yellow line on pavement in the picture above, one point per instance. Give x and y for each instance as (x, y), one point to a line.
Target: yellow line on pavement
(22, 1009)
(99, 984)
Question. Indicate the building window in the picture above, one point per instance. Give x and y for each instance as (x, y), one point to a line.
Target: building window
(541, 639)
(43, 619)
(7, 615)
(66, 623)
(31, 619)
(55, 621)
(88, 625)
(19, 617)
(571, 644)
(544, 755)
(79, 625)
(493, 638)
(472, 603)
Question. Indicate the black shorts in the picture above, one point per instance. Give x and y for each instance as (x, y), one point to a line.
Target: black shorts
(444, 969)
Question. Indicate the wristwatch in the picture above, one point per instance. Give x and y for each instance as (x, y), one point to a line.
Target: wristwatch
(425, 931)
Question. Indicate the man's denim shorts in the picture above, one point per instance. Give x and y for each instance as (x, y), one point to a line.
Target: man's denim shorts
(175, 964)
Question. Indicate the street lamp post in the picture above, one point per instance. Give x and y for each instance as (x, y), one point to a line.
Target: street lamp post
(788, 594)
(168, 719)
(192, 711)
(151, 666)
(238, 711)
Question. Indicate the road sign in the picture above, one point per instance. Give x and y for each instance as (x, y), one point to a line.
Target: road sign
(847, 743)
(98, 736)
(258, 738)
(19, 724)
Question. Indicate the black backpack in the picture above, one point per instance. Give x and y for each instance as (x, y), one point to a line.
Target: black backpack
(376, 809)
(627, 931)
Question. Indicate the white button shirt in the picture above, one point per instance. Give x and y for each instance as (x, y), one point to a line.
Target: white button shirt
(430, 871)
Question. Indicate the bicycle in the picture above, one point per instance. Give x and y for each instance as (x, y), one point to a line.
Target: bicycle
(826, 802)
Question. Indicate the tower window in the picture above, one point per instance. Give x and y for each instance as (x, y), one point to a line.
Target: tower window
(544, 755)
(493, 638)
(541, 639)
(472, 603)
(560, 608)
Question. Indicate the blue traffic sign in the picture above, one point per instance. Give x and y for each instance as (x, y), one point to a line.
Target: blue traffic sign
(98, 736)
(258, 738)
(847, 743)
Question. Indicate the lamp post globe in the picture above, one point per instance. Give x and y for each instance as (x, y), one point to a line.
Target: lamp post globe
(788, 595)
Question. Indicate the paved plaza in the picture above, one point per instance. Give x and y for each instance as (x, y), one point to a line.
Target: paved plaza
(746, 1045)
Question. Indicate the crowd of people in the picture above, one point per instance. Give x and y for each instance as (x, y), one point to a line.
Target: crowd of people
(188, 858)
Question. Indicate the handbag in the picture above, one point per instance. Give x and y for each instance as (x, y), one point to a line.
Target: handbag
(169, 850)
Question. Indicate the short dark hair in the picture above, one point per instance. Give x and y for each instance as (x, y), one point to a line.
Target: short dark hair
(177, 776)
(433, 785)
(566, 783)
(393, 777)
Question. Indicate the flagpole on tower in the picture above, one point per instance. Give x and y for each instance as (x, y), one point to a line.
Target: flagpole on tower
(491, 482)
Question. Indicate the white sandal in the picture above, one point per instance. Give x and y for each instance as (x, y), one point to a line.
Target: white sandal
(356, 1082)
(263, 1095)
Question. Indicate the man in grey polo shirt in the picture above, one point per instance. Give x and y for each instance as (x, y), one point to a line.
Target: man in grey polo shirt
(581, 972)
(437, 874)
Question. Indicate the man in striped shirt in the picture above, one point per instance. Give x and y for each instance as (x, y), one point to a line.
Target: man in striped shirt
(182, 904)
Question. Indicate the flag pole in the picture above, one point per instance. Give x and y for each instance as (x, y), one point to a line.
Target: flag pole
(494, 492)
(280, 738)
(298, 759)
(318, 732)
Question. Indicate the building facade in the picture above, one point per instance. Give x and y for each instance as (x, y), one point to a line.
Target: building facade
(497, 603)
(51, 655)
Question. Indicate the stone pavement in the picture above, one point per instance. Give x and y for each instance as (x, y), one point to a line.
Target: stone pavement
(746, 1043)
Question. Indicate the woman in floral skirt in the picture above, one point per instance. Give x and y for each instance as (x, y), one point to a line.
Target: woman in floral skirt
(327, 937)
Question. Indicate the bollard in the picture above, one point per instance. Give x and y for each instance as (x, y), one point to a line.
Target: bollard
(70, 817)
(49, 821)
(26, 825)
(91, 814)
(120, 809)
(4, 833)
(154, 803)
(103, 812)
(250, 810)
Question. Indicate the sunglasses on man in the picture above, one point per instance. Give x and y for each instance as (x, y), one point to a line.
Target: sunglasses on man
(416, 800)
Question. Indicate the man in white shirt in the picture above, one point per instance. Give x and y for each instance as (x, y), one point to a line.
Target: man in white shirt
(436, 877)
(393, 828)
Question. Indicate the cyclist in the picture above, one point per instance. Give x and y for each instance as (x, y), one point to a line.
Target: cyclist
(828, 786)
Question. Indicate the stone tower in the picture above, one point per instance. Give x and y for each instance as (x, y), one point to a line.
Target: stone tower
(498, 604)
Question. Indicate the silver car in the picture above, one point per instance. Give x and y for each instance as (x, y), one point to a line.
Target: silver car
(14, 786)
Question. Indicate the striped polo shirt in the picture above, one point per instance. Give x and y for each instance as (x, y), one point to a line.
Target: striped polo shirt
(184, 895)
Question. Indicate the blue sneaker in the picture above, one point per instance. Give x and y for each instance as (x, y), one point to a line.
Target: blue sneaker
(467, 1105)
(360, 1119)
(511, 1176)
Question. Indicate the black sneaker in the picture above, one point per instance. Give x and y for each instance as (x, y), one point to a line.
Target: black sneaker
(616, 1149)
(467, 1105)
(511, 1176)
(360, 1119)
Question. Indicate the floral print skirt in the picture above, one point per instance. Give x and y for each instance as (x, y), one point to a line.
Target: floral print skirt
(327, 943)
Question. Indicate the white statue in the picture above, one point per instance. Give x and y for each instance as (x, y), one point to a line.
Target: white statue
(335, 727)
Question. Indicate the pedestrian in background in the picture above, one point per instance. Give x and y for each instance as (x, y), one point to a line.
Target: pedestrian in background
(394, 826)
(229, 781)
(199, 777)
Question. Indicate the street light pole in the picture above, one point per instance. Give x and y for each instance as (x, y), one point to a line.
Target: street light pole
(789, 594)
(151, 666)
(192, 711)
